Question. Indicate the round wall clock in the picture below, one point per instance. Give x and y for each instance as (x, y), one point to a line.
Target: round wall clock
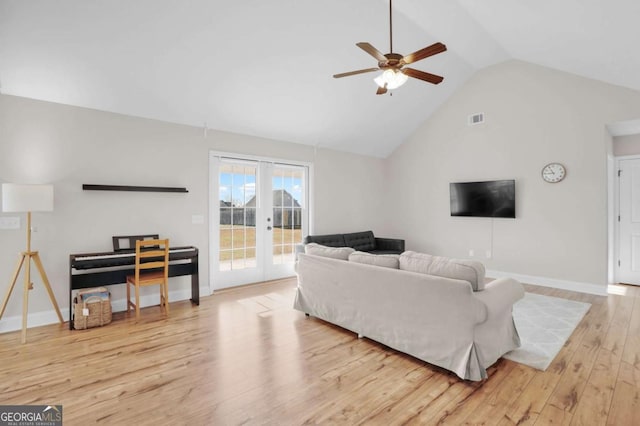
(553, 172)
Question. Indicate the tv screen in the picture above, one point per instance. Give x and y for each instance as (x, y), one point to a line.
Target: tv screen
(495, 198)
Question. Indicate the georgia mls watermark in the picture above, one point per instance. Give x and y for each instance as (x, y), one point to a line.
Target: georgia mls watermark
(30, 415)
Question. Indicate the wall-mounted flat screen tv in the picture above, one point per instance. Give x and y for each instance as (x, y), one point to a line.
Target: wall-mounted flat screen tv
(496, 198)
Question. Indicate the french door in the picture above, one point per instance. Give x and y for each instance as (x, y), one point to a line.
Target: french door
(259, 213)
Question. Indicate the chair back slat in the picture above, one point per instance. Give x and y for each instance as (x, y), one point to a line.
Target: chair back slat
(160, 249)
(152, 265)
(152, 253)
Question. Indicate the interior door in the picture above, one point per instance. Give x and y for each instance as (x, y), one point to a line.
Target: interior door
(629, 222)
(259, 214)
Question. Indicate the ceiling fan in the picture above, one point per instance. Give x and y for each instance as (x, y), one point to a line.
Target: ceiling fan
(392, 64)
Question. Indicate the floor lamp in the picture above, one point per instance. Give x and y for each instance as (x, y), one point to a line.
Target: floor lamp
(28, 198)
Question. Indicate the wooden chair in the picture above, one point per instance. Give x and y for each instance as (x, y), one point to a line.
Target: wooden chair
(150, 254)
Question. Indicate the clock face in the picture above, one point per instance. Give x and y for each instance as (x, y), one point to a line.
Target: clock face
(553, 172)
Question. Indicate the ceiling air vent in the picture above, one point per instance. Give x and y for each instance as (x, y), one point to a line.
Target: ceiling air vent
(476, 119)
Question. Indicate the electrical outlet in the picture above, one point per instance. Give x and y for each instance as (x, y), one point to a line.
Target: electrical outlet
(10, 222)
(472, 253)
(488, 254)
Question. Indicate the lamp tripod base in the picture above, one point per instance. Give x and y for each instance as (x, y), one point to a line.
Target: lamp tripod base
(25, 260)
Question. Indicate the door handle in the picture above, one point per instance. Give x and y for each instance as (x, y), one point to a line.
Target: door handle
(268, 228)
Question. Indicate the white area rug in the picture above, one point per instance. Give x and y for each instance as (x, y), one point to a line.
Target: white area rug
(544, 324)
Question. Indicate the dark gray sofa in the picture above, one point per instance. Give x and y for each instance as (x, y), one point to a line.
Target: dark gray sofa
(361, 241)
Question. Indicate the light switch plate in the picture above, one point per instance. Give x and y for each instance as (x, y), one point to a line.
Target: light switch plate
(10, 222)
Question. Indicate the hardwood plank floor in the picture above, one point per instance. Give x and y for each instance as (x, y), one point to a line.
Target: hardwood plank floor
(246, 357)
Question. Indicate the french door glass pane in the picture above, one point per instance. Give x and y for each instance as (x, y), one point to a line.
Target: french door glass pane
(288, 193)
(237, 189)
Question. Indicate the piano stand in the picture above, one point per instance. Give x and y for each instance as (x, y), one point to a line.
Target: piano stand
(112, 268)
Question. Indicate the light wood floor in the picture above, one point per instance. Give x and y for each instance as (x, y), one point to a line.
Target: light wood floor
(246, 357)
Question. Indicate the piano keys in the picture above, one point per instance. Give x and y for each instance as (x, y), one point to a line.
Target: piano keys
(110, 268)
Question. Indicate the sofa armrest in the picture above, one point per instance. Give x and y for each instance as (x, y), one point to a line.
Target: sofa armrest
(299, 248)
(498, 334)
(390, 244)
(500, 294)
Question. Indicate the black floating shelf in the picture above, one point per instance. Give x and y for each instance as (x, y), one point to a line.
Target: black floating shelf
(88, 187)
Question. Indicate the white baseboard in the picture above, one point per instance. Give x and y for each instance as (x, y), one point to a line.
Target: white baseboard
(37, 319)
(590, 288)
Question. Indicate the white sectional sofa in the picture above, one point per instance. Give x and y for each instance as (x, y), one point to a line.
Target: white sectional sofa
(438, 319)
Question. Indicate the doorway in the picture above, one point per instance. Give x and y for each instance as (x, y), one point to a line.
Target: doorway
(628, 220)
(259, 214)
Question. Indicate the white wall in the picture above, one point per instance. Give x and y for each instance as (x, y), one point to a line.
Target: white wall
(43, 142)
(534, 116)
(345, 202)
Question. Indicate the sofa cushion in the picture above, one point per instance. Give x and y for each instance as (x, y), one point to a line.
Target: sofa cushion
(332, 240)
(361, 241)
(383, 260)
(341, 253)
(460, 269)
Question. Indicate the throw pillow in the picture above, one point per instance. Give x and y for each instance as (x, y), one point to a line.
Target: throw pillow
(341, 253)
(383, 260)
(460, 269)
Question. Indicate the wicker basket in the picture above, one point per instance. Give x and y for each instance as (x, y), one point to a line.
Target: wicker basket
(93, 311)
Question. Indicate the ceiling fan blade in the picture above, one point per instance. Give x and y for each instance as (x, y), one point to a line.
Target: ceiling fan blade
(421, 75)
(372, 51)
(381, 90)
(347, 74)
(434, 49)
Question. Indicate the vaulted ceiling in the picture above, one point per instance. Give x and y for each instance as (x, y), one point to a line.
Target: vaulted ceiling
(265, 68)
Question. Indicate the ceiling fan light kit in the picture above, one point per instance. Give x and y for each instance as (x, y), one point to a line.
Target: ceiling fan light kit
(392, 64)
(391, 79)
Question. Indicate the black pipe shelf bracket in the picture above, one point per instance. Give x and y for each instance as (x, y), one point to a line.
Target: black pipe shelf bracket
(91, 187)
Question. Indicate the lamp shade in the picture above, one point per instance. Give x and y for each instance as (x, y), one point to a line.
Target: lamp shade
(391, 78)
(27, 198)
